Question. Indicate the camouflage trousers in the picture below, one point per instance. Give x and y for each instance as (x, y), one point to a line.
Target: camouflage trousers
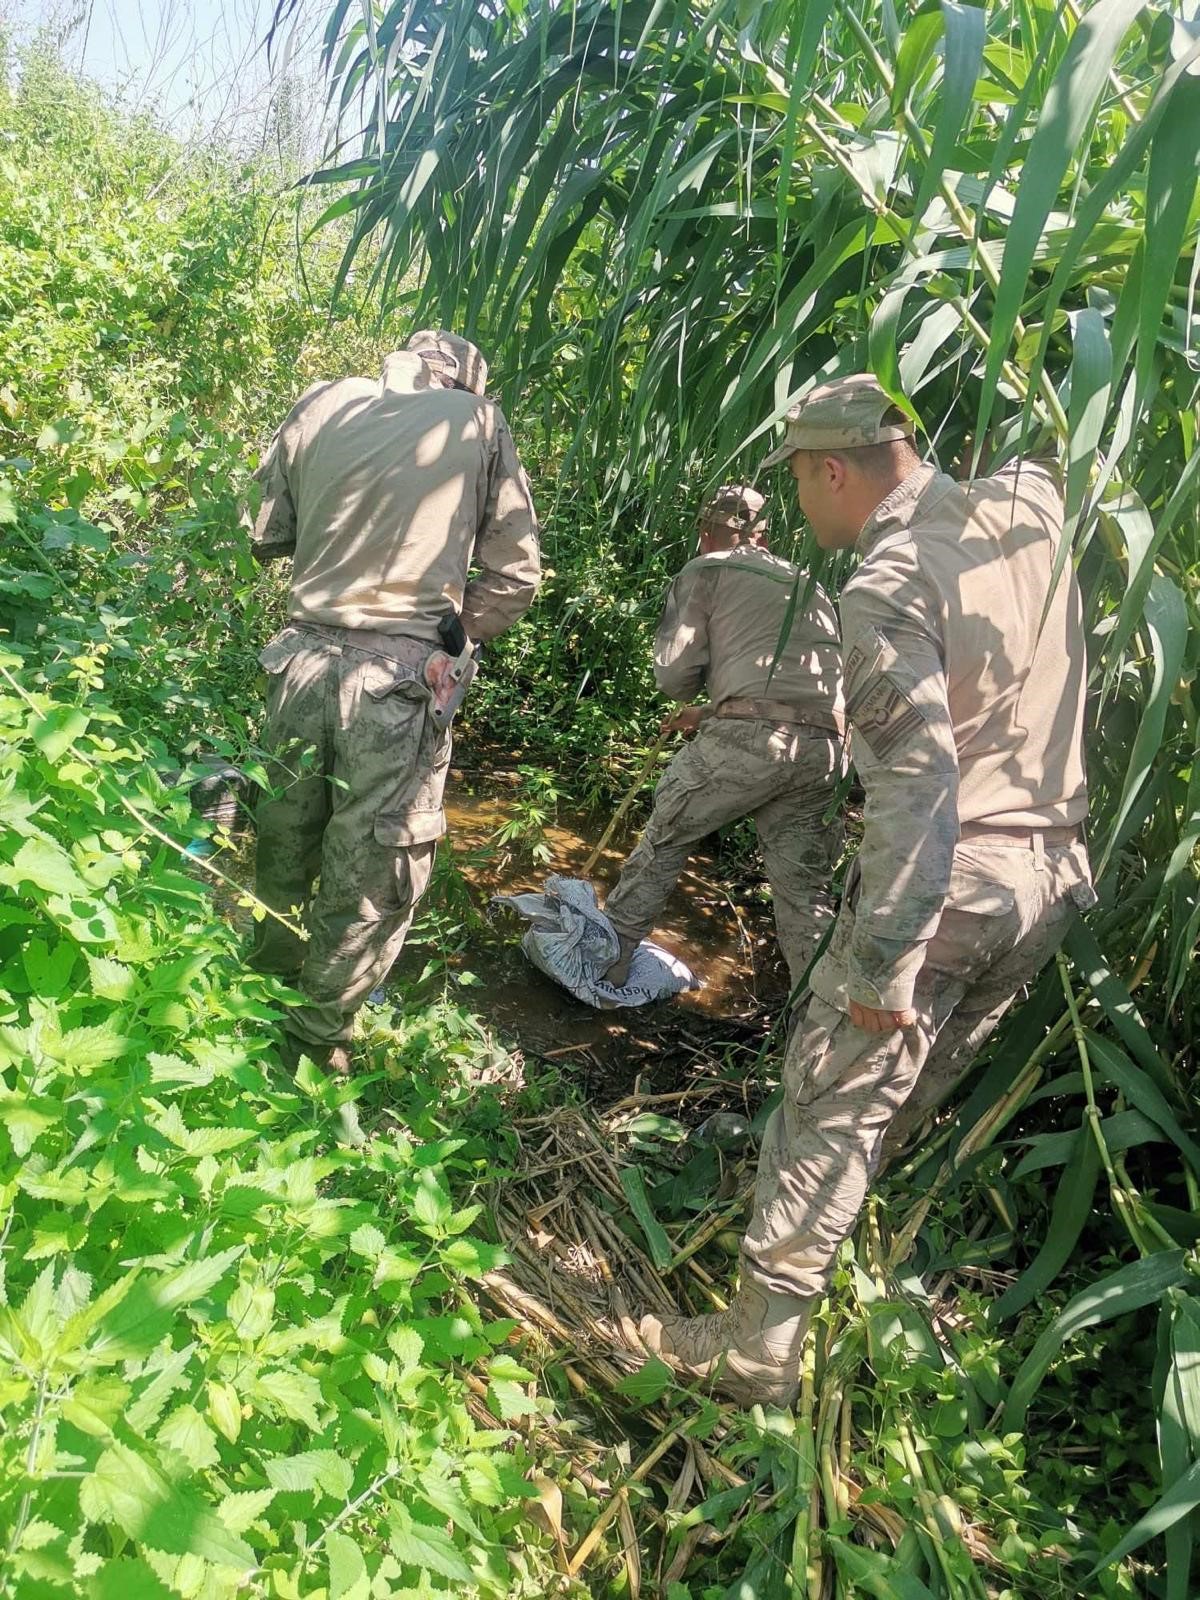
(781, 774)
(845, 1090)
(347, 838)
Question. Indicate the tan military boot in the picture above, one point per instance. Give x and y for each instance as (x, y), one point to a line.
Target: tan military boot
(334, 1059)
(339, 1062)
(618, 973)
(752, 1352)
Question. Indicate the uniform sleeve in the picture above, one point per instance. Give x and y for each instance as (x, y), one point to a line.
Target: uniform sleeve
(903, 746)
(681, 648)
(506, 548)
(274, 530)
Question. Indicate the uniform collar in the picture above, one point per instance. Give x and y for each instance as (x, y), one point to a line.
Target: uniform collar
(404, 373)
(892, 507)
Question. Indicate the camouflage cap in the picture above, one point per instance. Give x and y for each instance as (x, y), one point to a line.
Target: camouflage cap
(451, 355)
(736, 505)
(842, 415)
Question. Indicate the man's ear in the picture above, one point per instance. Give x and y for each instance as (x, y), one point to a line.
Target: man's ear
(834, 470)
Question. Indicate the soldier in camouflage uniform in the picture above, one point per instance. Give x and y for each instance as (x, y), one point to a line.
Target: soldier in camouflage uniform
(767, 744)
(385, 492)
(964, 677)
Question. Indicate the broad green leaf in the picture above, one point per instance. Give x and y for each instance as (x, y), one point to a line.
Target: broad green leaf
(251, 1310)
(126, 1579)
(1183, 1496)
(49, 971)
(472, 1257)
(1072, 1204)
(431, 1204)
(310, 1469)
(145, 1311)
(47, 866)
(95, 1403)
(648, 1383)
(505, 1365)
(241, 1510)
(348, 1579)
(82, 1050)
(126, 1489)
(635, 1192)
(291, 1393)
(186, 1432)
(225, 1408)
(510, 1399)
(1068, 108)
(161, 1377)
(65, 431)
(57, 729)
(443, 1496)
(1141, 1283)
(417, 1544)
(192, 1280)
(407, 1346)
(110, 980)
(199, 1142)
(25, 1120)
(367, 1240)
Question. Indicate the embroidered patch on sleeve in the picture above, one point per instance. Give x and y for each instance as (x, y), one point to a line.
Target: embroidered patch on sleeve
(883, 715)
(854, 662)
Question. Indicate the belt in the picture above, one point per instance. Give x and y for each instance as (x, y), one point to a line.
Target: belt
(1031, 838)
(391, 646)
(779, 711)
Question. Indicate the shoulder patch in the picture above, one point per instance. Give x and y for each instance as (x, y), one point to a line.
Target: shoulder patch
(879, 707)
(883, 715)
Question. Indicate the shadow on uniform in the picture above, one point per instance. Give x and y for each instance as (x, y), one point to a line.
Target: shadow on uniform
(385, 493)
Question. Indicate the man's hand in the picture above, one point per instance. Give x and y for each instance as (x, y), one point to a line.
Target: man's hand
(880, 1021)
(686, 720)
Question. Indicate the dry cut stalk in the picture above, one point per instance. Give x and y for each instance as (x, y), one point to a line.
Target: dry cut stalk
(619, 813)
(619, 1499)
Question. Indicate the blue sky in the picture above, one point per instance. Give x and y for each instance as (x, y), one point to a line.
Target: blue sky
(201, 63)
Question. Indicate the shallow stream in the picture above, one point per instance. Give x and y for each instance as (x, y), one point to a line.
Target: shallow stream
(724, 933)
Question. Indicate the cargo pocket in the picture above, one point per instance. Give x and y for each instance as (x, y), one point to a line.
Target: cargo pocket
(418, 824)
(274, 657)
(413, 814)
(1082, 896)
(980, 921)
(675, 814)
(1072, 864)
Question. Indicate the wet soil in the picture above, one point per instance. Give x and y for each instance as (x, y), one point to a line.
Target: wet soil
(716, 922)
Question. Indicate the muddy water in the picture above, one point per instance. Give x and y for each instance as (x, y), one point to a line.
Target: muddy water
(719, 928)
(726, 938)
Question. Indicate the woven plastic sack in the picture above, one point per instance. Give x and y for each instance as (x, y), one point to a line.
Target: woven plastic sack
(571, 940)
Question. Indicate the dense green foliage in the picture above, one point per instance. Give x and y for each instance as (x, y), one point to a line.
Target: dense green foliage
(667, 221)
(229, 1349)
(233, 1347)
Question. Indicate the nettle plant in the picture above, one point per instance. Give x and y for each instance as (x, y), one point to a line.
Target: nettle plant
(230, 1351)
